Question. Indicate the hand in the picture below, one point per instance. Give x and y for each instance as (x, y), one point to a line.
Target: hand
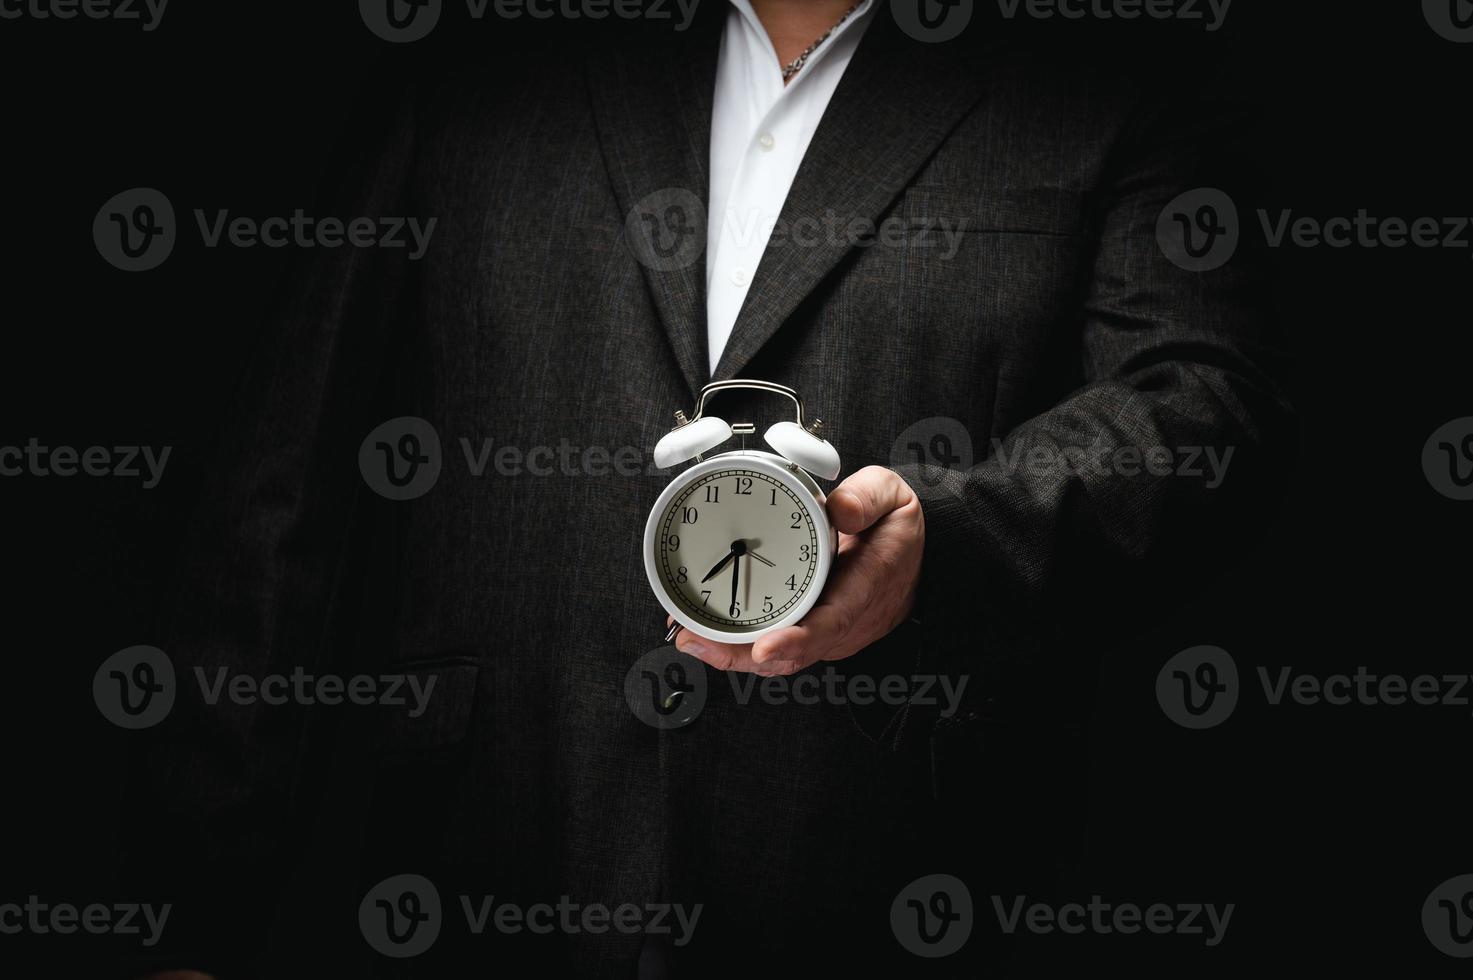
(882, 535)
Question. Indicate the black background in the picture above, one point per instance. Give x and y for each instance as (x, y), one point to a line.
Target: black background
(1327, 826)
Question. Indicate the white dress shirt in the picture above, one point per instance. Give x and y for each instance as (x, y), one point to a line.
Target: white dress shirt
(760, 129)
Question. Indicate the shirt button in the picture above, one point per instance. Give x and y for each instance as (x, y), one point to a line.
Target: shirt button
(739, 277)
(766, 141)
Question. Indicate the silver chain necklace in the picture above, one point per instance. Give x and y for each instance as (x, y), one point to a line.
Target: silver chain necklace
(796, 65)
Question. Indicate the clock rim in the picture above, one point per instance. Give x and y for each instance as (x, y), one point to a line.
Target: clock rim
(775, 466)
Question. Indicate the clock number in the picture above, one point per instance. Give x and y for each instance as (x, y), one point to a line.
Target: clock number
(792, 583)
(797, 520)
(803, 553)
(767, 603)
(681, 575)
(688, 515)
(773, 501)
(713, 494)
(673, 542)
(744, 486)
(705, 597)
(735, 611)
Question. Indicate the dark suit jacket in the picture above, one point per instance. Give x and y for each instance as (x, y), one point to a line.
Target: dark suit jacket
(1056, 323)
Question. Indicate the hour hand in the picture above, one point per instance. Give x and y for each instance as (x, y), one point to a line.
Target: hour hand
(716, 570)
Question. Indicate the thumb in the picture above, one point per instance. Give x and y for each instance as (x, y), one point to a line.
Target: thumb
(864, 498)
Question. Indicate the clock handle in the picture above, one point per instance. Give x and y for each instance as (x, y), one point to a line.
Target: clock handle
(767, 386)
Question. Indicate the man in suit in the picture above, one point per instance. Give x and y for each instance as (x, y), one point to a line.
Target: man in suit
(963, 231)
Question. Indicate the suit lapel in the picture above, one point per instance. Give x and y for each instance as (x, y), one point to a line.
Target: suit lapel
(653, 112)
(897, 101)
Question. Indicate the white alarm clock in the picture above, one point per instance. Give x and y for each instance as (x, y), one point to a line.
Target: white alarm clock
(739, 544)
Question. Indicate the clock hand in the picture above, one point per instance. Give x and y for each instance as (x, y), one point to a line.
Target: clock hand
(736, 574)
(761, 559)
(722, 563)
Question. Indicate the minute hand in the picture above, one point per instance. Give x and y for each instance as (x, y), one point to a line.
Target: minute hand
(736, 574)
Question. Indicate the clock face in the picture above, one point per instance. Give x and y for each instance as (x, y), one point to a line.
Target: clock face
(737, 549)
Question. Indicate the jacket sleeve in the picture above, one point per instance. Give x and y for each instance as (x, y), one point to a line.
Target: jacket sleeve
(1111, 499)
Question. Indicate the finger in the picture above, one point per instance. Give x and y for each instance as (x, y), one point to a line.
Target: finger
(727, 656)
(837, 626)
(722, 656)
(826, 633)
(736, 658)
(860, 501)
